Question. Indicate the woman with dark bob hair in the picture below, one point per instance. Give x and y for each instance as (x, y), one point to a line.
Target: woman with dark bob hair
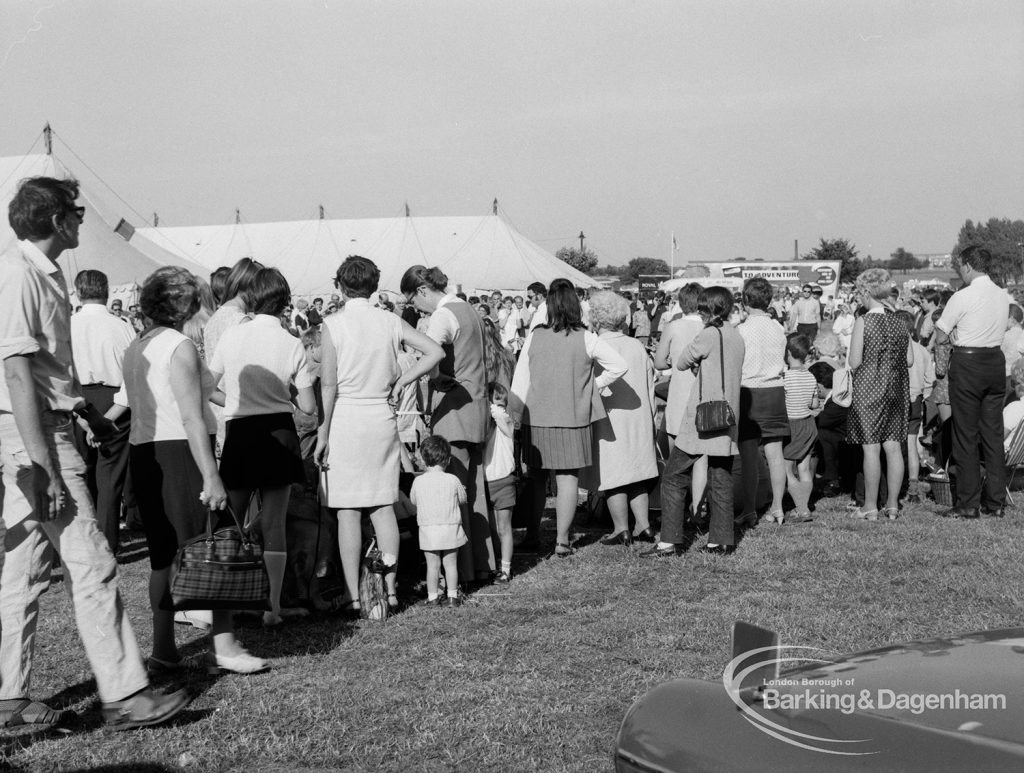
(716, 354)
(460, 411)
(552, 394)
(357, 446)
(173, 468)
(256, 368)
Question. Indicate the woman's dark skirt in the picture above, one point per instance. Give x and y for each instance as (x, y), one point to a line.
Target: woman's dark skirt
(167, 484)
(261, 452)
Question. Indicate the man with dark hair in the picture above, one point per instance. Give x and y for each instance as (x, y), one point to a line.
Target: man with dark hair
(537, 295)
(974, 320)
(316, 312)
(46, 499)
(99, 340)
(806, 313)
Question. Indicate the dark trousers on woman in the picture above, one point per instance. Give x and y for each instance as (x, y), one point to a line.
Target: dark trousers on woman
(476, 557)
(977, 388)
(808, 329)
(675, 493)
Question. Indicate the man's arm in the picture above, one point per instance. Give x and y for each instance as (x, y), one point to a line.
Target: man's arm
(47, 486)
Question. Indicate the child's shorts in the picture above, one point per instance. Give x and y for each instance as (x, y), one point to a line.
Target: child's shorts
(501, 493)
(803, 434)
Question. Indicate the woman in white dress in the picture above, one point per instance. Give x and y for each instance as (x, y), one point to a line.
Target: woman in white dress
(357, 446)
(624, 439)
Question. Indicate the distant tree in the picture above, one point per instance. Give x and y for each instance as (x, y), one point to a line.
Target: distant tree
(841, 250)
(608, 271)
(584, 260)
(904, 261)
(1002, 238)
(638, 266)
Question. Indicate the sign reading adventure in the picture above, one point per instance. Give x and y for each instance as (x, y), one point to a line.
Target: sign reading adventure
(792, 274)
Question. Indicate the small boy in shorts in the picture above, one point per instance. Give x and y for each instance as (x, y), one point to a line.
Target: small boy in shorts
(801, 403)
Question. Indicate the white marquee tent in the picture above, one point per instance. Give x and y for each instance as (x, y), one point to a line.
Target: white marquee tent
(125, 262)
(474, 252)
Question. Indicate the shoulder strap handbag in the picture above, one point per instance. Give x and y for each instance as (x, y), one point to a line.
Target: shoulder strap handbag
(713, 416)
(221, 569)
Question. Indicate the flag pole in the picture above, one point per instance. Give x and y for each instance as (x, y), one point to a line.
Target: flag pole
(672, 256)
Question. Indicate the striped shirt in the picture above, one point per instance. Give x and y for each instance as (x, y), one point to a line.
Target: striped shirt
(800, 388)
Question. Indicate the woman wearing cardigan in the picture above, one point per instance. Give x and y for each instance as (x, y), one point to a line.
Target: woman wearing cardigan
(553, 393)
(717, 354)
(459, 405)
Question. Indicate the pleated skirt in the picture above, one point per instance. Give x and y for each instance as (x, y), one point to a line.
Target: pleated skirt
(557, 448)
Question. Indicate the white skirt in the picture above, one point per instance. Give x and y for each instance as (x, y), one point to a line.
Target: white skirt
(363, 457)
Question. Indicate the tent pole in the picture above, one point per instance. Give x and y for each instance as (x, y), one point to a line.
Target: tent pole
(48, 139)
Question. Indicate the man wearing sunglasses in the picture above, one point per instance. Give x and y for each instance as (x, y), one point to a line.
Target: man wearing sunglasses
(46, 500)
(807, 313)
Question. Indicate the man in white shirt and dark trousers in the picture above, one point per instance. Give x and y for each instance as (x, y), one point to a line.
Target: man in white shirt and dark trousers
(99, 340)
(975, 321)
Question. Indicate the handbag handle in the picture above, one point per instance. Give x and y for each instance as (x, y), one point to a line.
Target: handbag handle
(721, 361)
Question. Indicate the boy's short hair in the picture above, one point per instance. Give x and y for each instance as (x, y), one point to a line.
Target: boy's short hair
(798, 346)
(757, 293)
(907, 319)
(496, 389)
(92, 285)
(435, 451)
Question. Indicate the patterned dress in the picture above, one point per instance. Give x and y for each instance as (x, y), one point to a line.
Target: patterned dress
(881, 385)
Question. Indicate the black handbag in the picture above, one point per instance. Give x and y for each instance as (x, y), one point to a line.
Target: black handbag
(221, 569)
(714, 415)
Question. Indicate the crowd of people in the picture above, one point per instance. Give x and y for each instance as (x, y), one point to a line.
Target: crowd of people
(458, 409)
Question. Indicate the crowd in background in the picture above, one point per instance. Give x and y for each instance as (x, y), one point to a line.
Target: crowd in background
(460, 410)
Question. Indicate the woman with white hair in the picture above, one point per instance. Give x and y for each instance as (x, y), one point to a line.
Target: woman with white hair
(624, 455)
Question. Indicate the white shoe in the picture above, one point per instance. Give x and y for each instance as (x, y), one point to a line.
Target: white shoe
(197, 618)
(242, 663)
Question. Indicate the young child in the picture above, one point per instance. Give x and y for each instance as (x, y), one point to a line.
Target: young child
(802, 402)
(499, 474)
(437, 496)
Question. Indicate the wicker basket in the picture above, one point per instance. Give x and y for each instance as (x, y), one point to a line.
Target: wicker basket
(943, 489)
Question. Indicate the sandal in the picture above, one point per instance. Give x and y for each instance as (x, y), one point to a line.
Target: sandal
(565, 551)
(392, 601)
(892, 513)
(865, 515)
(143, 709)
(776, 516)
(22, 711)
(156, 666)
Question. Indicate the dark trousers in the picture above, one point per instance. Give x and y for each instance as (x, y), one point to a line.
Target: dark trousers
(675, 493)
(809, 330)
(476, 557)
(107, 466)
(977, 388)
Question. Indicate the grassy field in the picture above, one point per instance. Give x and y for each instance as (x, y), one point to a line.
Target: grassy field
(537, 675)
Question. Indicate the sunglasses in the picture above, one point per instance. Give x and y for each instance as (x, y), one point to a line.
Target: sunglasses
(80, 211)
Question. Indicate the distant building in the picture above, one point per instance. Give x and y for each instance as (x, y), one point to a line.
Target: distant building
(935, 259)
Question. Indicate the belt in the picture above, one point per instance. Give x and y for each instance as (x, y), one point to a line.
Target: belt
(976, 349)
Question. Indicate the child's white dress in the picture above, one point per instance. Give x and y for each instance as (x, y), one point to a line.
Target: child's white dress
(437, 496)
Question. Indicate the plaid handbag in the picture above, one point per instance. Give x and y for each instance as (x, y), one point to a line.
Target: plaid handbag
(221, 569)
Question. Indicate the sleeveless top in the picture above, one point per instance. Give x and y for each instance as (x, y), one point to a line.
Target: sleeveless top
(147, 388)
(461, 413)
(561, 392)
(368, 341)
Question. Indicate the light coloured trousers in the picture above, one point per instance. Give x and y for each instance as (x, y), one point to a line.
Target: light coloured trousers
(90, 570)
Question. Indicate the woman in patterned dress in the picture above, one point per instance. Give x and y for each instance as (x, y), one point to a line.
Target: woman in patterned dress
(880, 354)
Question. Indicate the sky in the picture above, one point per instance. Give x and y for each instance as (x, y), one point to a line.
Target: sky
(738, 126)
